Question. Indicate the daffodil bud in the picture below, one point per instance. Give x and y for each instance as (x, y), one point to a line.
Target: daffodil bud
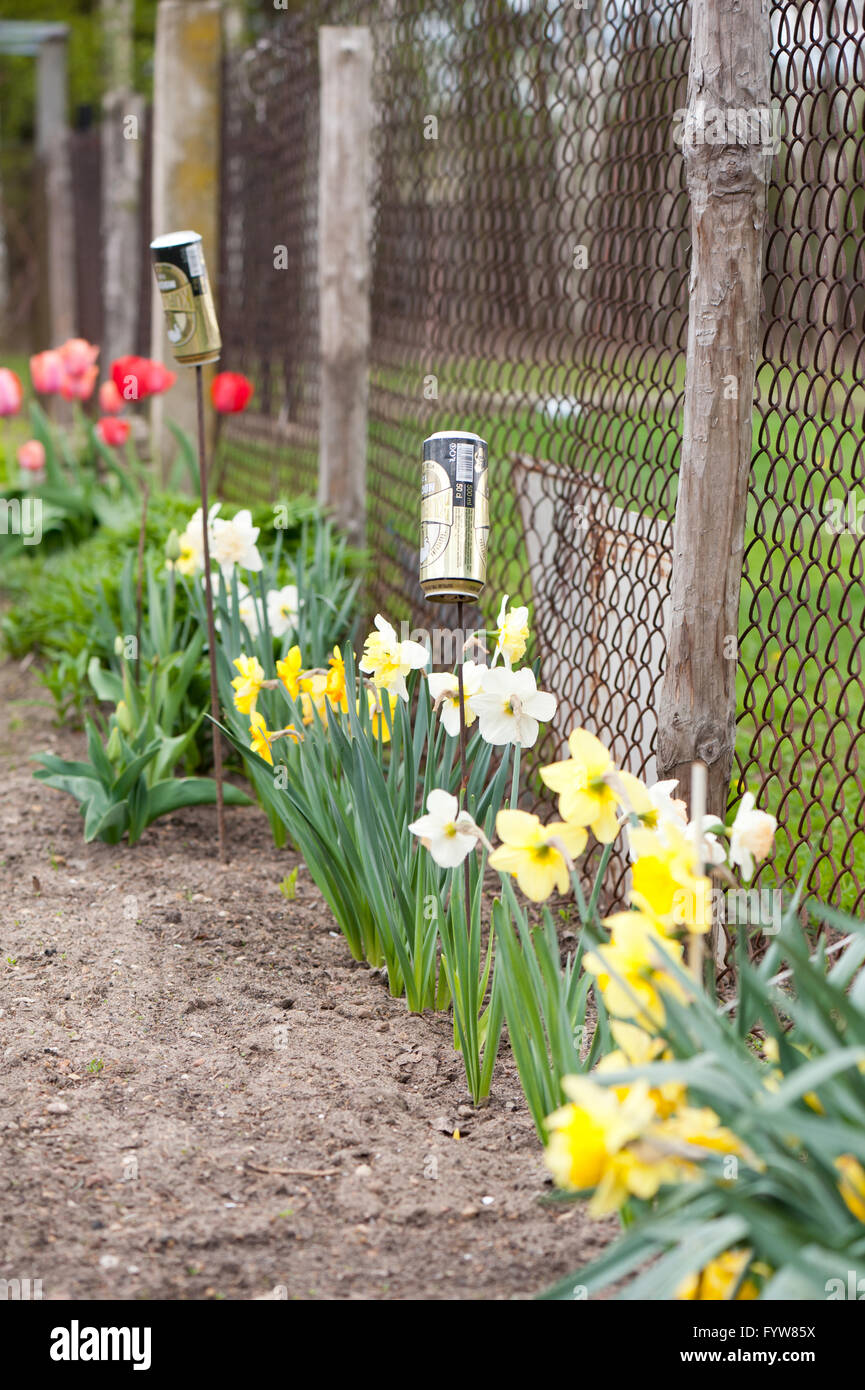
(172, 547)
(118, 645)
(123, 717)
(113, 748)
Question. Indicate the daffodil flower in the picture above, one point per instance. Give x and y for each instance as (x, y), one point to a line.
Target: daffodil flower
(282, 610)
(584, 785)
(289, 670)
(653, 806)
(378, 722)
(447, 832)
(248, 684)
(233, 542)
(751, 836)
(664, 883)
(445, 692)
(512, 632)
(509, 706)
(717, 1280)
(852, 1184)
(388, 661)
(631, 968)
(262, 737)
(537, 855)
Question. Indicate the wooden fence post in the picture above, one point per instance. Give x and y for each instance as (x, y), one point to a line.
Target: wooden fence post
(122, 169)
(728, 155)
(344, 272)
(52, 148)
(187, 97)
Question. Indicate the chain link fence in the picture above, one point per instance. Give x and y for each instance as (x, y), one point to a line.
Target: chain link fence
(530, 263)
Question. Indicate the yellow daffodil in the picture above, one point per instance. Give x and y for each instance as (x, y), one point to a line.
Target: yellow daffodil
(262, 737)
(289, 671)
(636, 1048)
(512, 633)
(335, 686)
(530, 853)
(717, 1280)
(598, 1141)
(388, 660)
(248, 684)
(581, 781)
(664, 885)
(595, 1124)
(313, 696)
(852, 1184)
(632, 966)
(379, 725)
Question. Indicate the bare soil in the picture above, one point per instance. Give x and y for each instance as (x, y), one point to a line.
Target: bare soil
(202, 1095)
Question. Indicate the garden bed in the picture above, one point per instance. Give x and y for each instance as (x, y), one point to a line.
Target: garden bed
(205, 1097)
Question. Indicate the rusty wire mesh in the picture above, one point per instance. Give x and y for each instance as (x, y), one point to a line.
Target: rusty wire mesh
(530, 259)
(268, 300)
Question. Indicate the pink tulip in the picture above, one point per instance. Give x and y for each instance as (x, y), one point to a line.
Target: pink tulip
(80, 386)
(46, 372)
(10, 392)
(110, 400)
(113, 431)
(31, 456)
(78, 356)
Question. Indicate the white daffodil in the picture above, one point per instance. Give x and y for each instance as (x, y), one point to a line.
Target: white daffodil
(751, 836)
(512, 631)
(712, 851)
(388, 660)
(249, 609)
(282, 610)
(654, 806)
(234, 542)
(510, 705)
(445, 690)
(191, 542)
(447, 832)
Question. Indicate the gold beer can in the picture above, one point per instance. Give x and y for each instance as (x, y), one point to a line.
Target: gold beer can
(190, 316)
(455, 516)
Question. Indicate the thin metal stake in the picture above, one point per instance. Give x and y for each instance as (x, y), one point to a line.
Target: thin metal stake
(463, 775)
(211, 631)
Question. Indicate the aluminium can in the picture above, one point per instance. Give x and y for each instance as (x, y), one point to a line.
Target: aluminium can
(187, 299)
(455, 521)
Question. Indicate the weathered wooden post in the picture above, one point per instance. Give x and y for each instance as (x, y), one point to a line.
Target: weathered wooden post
(122, 144)
(187, 89)
(344, 272)
(52, 149)
(728, 156)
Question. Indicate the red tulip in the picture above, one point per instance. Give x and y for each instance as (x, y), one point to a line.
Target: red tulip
(31, 456)
(139, 377)
(78, 357)
(159, 378)
(10, 392)
(79, 386)
(46, 372)
(110, 400)
(113, 431)
(231, 392)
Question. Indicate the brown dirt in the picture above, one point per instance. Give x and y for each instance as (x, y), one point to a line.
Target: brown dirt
(204, 1097)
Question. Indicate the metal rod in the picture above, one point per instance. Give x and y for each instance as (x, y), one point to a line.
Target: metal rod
(211, 631)
(463, 775)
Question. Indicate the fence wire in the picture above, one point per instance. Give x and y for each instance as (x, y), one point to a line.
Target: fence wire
(530, 261)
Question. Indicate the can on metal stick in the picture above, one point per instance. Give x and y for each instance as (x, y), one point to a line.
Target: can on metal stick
(455, 521)
(190, 316)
